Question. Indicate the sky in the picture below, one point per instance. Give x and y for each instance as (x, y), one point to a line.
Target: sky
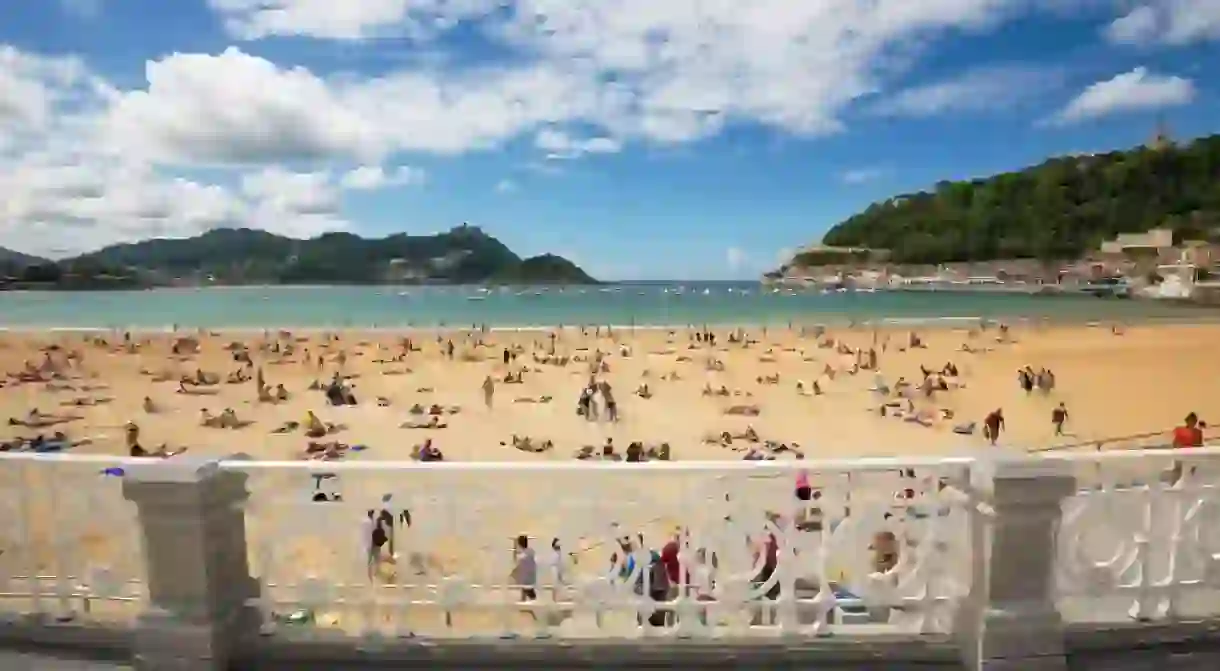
(658, 139)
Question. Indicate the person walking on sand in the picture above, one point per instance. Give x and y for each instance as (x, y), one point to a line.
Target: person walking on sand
(1058, 416)
(489, 390)
(993, 425)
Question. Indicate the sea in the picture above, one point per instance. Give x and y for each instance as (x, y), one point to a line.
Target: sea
(652, 304)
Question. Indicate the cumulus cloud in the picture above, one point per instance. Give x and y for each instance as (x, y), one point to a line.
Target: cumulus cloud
(1137, 90)
(235, 138)
(1173, 22)
(373, 178)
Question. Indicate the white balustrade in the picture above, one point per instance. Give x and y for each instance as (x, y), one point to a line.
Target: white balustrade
(1130, 542)
(1139, 542)
(452, 572)
(70, 544)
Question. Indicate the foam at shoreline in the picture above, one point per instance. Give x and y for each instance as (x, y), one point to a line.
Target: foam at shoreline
(841, 322)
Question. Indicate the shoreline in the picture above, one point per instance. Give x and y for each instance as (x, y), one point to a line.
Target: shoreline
(1195, 317)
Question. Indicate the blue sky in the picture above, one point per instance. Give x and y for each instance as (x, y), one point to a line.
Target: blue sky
(684, 139)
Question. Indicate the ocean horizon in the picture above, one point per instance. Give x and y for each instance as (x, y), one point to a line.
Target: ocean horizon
(639, 304)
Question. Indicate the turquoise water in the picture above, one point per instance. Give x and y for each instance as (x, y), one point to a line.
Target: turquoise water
(639, 304)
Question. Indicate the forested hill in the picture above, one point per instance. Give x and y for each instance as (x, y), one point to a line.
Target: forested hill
(464, 254)
(1060, 209)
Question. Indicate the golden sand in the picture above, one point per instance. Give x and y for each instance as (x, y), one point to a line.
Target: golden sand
(1144, 380)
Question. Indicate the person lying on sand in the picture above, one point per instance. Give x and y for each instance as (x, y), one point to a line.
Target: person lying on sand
(40, 420)
(330, 451)
(287, 427)
(433, 422)
(527, 444)
(86, 401)
(532, 399)
(192, 389)
(744, 410)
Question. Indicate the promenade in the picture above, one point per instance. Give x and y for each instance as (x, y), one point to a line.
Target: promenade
(940, 560)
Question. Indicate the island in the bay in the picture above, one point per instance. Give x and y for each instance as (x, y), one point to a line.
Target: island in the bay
(241, 256)
(1137, 214)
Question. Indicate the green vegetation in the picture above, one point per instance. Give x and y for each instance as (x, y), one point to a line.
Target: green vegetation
(462, 255)
(1061, 209)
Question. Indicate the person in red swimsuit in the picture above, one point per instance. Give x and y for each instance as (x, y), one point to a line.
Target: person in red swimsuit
(1190, 434)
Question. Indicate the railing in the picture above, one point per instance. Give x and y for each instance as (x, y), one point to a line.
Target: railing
(69, 541)
(452, 574)
(901, 547)
(1141, 538)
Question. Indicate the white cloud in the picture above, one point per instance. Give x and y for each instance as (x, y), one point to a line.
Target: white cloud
(561, 146)
(628, 69)
(372, 178)
(505, 186)
(253, 19)
(1136, 90)
(233, 138)
(861, 175)
(30, 88)
(977, 90)
(1173, 22)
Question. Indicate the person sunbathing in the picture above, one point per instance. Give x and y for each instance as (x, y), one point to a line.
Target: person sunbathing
(332, 451)
(433, 422)
(744, 410)
(527, 444)
(532, 399)
(39, 420)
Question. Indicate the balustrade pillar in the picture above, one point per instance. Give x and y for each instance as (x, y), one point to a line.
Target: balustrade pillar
(1010, 620)
(199, 584)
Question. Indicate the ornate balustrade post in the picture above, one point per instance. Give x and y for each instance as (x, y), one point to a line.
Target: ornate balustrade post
(199, 583)
(1010, 621)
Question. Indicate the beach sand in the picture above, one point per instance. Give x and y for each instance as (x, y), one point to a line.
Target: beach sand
(1143, 380)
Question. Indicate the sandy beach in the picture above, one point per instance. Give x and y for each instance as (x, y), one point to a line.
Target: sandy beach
(1114, 382)
(1143, 380)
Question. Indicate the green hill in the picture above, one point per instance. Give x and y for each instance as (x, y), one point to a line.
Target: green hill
(465, 255)
(1060, 209)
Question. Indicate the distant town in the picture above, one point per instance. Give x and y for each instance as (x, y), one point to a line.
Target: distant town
(1151, 265)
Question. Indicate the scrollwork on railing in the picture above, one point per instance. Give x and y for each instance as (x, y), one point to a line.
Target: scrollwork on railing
(740, 553)
(1140, 541)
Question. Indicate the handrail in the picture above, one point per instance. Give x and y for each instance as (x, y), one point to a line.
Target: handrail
(1098, 444)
